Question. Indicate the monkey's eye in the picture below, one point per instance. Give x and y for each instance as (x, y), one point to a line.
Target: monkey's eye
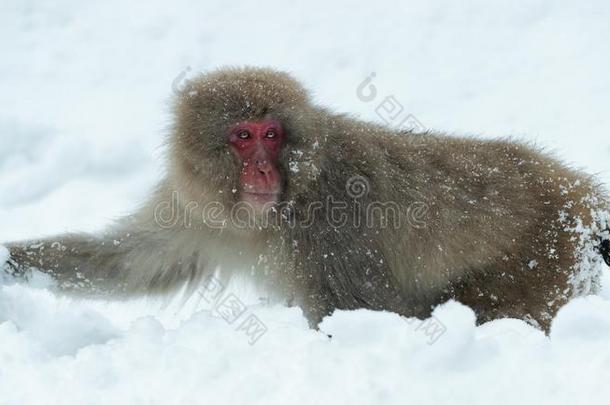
(270, 134)
(243, 135)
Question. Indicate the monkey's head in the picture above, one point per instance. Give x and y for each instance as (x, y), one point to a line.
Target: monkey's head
(244, 135)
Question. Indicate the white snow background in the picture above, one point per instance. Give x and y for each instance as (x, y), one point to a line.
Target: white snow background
(83, 111)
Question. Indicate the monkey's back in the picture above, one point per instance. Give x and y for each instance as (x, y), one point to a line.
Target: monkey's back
(496, 224)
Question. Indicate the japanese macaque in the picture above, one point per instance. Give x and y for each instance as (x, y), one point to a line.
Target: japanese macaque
(328, 212)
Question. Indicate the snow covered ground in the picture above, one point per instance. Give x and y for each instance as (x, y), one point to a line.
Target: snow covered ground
(83, 111)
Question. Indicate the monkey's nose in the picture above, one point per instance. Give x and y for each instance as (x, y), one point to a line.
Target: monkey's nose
(264, 167)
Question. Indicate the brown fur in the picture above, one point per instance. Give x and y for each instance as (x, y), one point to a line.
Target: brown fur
(505, 229)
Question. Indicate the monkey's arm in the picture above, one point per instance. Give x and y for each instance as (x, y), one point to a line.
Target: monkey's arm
(116, 264)
(79, 263)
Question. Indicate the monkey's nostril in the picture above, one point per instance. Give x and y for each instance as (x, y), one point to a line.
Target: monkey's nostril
(263, 167)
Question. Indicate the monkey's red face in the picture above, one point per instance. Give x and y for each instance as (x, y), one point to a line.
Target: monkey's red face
(257, 145)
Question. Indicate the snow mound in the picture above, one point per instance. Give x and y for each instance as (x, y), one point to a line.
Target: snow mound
(58, 350)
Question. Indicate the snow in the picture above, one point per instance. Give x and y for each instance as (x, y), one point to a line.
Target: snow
(4, 254)
(84, 108)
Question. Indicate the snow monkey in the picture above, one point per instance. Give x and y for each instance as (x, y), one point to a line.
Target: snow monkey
(328, 212)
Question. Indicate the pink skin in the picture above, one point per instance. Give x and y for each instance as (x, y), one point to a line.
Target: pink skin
(257, 144)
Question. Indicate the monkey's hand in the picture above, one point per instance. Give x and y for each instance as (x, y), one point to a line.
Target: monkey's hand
(8, 266)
